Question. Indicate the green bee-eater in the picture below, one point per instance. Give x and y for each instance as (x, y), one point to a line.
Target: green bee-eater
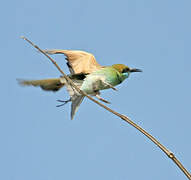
(87, 74)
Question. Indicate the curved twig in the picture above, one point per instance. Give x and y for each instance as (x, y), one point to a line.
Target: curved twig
(123, 117)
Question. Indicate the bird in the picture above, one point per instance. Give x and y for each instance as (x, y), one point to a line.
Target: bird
(86, 74)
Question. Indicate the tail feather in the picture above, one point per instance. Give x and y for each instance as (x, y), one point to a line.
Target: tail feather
(76, 101)
(45, 84)
(75, 97)
(55, 85)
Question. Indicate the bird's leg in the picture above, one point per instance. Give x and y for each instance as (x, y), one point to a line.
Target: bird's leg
(63, 102)
(97, 94)
(107, 84)
(101, 99)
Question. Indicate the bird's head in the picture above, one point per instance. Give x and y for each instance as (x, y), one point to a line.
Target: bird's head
(125, 70)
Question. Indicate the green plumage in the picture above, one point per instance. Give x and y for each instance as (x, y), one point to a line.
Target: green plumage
(91, 83)
(95, 81)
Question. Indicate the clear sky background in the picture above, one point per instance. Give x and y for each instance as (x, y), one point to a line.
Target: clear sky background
(40, 142)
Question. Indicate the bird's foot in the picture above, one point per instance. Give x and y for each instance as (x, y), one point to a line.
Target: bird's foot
(101, 99)
(63, 102)
(110, 86)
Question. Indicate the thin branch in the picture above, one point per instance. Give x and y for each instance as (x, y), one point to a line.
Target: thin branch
(123, 117)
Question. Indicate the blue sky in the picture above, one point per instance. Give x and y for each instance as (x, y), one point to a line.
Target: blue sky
(39, 141)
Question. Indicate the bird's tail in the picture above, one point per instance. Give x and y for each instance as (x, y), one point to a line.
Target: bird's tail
(55, 85)
(46, 84)
(75, 97)
(76, 101)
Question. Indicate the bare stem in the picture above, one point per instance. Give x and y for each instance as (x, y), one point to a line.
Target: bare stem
(123, 117)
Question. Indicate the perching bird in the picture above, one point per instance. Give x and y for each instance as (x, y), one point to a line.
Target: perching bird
(87, 74)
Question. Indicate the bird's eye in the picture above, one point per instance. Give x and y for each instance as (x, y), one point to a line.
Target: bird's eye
(125, 70)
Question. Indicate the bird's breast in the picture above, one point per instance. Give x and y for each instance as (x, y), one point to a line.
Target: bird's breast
(99, 80)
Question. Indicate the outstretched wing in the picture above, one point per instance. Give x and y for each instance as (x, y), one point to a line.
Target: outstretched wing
(45, 84)
(78, 61)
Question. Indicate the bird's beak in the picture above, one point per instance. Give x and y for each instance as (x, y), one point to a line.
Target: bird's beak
(135, 70)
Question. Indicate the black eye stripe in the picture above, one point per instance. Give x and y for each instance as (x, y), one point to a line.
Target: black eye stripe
(125, 70)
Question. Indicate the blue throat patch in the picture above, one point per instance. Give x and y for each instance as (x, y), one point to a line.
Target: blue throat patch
(126, 74)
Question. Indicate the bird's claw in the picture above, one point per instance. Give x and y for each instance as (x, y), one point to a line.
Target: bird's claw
(63, 102)
(113, 88)
(101, 99)
(110, 86)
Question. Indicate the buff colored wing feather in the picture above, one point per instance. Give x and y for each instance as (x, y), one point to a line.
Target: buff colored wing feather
(78, 61)
(45, 84)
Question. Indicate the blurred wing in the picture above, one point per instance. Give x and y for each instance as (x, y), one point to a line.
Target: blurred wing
(78, 61)
(45, 84)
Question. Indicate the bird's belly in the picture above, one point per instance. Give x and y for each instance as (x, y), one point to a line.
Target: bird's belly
(95, 83)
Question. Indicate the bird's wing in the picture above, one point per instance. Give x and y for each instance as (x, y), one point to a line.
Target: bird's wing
(45, 84)
(78, 61)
